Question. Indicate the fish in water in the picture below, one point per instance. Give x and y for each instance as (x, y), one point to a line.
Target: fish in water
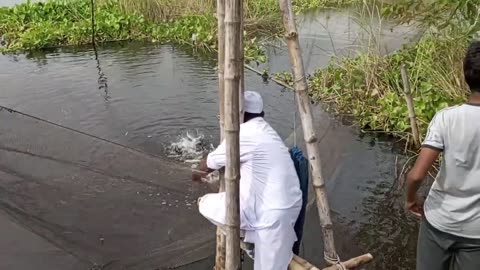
(189, 147)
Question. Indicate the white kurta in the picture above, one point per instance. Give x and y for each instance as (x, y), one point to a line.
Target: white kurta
(270, 195)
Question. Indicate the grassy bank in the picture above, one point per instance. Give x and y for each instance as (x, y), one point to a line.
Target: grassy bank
(188, 22)
(260, 16)
(304, 5)
(369, 87)
(59, 23)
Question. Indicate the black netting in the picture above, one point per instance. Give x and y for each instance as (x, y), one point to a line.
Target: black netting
(103, 203)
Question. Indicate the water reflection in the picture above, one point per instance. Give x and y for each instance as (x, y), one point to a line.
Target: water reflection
(102, 79)
(390, 233)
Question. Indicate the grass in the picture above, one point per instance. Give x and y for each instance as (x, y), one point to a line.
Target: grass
(165, 10)
(57, 23)
(369, 87)
(261, 16)
(304, 5)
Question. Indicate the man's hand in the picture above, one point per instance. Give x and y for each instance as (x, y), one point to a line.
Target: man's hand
(201, 171)
(202, 166)
(415, 178)
(197, 175)
(416, 206)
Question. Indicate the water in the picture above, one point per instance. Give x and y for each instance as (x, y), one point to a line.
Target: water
(74, 190)
(326, 34)
(6, 3)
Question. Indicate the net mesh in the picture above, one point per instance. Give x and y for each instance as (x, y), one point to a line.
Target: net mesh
(103, 203)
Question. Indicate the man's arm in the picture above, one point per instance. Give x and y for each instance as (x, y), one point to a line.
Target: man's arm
(201, 171)
(217, 159)
(432, 147)
(212, 162)
(415, 177)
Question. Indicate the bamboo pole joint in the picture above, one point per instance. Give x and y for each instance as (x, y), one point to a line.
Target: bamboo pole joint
(410, 105)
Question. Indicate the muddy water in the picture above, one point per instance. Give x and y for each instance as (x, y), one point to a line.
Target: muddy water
(128, 210)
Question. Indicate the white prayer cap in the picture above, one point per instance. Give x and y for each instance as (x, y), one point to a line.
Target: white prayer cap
(253, 102)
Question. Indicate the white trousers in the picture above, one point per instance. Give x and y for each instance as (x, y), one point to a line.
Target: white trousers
(273, 244)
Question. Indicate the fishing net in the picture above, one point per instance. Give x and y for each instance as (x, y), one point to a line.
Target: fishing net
(108, 205)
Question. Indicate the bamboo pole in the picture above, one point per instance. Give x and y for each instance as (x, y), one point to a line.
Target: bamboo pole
(242, 62)
(279, 82)
(220, 246)
(233, 33)
(301, 92)
(353, 262)
(410, 106)
(221, 62)
(298, 263)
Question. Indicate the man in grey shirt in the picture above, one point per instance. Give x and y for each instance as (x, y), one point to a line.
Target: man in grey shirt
(449, 236)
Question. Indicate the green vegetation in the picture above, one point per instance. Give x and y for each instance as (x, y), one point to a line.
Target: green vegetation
(58, 23)
(369, 87)
(187, 22)
(165, 10)
(462, 15)
(260, 16)
(304, 5)
(62, 22)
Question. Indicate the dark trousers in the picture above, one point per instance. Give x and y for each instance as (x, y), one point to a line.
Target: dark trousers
(437, 250)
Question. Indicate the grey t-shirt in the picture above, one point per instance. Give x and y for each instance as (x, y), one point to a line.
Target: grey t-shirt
(453, 204)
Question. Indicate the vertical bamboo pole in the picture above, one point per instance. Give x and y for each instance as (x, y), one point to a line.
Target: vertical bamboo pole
(311, 140)
(221, 62)
(242, 67)
(220, 248)
(233, 51)
(410, 106)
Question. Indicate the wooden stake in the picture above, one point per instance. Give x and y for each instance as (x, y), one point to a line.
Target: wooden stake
(410, 106)
(233, 73)
(220, 247)
(311, 140)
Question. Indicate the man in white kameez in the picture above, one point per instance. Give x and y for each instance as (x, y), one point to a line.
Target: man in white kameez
(270, 195)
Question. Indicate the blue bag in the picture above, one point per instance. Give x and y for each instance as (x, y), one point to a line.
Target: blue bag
(301, 166)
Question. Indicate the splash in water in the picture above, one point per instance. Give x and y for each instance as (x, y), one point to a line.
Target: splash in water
(189, 148)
